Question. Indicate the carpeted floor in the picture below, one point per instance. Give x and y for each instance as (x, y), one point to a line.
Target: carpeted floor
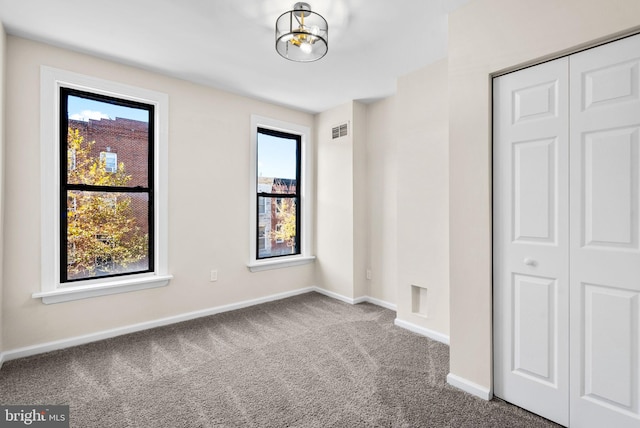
(306, 361)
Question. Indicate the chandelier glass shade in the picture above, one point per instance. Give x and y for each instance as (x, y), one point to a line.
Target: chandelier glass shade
(302, 35)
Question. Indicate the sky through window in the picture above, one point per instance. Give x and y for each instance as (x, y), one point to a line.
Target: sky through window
(84, 109)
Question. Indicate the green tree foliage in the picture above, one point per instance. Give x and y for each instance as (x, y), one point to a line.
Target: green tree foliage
(286, 218)
(102, 234)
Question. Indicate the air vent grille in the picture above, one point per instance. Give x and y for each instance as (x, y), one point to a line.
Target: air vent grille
(339, 131)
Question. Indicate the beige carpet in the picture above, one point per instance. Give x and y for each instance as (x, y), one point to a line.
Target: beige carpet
(306, 361)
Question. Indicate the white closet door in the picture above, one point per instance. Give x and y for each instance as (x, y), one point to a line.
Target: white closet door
(605, 236)
(531, 236)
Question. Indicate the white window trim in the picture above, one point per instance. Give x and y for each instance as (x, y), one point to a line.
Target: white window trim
(51, 290)
(104, 156)
(306, 220)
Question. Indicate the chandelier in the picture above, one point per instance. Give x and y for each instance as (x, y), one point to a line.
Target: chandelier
(302, 35)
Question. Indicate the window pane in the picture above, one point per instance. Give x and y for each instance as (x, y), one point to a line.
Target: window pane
(277, 227)
(277, 164)
(107, 234)
(285, 186)
(107, 143)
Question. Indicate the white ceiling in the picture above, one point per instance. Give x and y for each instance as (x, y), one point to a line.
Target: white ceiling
(230, 44)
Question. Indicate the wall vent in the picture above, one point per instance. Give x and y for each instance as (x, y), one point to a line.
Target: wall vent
(340, 131)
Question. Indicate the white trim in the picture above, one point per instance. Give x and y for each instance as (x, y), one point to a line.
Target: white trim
(431, 334)
(106, 334)
(51, 80)
(337, 296)
(280, 262)
(470, 387)
(357, 300)
(102, 289)
(381, 303)
(306, 189)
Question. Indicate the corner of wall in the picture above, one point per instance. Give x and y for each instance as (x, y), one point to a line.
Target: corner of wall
(2, 145)
(193, 109)
(360, 200)
(477, 49)
(470, 387)
(342, 211)
(334, 202)
(423, 199)
(381, 191)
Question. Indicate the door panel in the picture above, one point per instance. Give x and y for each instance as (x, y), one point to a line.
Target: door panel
(604, 244)
(531, 239)
(534, 312)
(613, 84)
(534, 185)
(610, 315)
(538, 101)
(610, 168)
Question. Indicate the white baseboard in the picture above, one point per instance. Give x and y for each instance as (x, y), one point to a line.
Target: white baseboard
(107, 334)
(381, 303)
(443, 338)
(335, 295)
(470, 387)
(362, 299)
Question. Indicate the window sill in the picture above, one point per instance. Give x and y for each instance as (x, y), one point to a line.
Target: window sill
(257, 266)
(67, 294)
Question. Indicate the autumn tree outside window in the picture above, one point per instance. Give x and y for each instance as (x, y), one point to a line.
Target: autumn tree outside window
(101, 233)
(278, 193)
(106, 187)
(281, 166)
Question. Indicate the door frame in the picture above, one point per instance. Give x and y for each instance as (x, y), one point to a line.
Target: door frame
(492, 77)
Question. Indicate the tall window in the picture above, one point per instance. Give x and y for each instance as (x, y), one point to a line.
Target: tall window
(281, 195)
(278, 182)
(106, 188)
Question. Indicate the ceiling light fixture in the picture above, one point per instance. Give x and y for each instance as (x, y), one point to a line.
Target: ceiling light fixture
(302, 35)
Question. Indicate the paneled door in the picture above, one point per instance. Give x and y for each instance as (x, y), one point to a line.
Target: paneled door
(567, 237)
(531, 239)
(605, 236)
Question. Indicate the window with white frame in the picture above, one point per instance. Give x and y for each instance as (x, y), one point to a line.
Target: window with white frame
(281, 210)
(278, 182)
(112, 236)
(110, 161)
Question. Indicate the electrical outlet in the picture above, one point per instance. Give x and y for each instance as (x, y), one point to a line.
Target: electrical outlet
(368, 273)
(214, 276)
